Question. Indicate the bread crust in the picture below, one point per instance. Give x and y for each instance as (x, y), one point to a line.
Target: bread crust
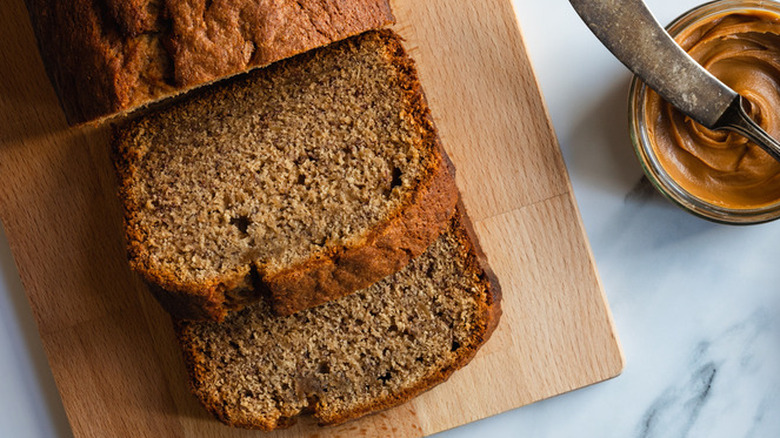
(490, 310)
(335, 272)
(110, 56)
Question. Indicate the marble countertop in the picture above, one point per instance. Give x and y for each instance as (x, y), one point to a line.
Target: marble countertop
(697, 305)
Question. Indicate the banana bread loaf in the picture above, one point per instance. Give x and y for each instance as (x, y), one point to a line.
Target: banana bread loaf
(110, 56)
(308, 180)
(364, 352)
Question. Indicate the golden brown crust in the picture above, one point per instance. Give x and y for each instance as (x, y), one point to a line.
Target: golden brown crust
(110, 56)
(325, 276)
(489, 289)
(483, 267)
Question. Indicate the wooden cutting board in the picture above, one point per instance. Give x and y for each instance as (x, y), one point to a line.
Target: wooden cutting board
(112, 349)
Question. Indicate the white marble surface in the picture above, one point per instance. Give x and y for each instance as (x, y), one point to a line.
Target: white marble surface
(697, 305)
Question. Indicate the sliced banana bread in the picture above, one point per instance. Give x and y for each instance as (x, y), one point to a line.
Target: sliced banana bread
(310, 179)
(109, 56)
(364, 352)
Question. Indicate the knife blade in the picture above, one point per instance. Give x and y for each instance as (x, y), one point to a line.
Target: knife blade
(630, 31)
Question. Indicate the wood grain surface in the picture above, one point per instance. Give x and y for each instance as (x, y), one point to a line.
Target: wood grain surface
(111, 347)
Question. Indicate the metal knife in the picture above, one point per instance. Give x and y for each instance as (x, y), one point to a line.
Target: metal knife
(631, 32)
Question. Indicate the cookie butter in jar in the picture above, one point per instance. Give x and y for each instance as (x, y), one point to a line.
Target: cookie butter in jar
(718, 175)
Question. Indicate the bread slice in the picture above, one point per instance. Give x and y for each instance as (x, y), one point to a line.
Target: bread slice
(110, 56)
(365, 352)
(307, 180)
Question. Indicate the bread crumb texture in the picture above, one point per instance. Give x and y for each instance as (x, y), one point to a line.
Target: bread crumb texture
(367, 351)
(281, 168)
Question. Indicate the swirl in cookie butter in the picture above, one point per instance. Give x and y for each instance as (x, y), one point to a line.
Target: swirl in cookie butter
(723, 168)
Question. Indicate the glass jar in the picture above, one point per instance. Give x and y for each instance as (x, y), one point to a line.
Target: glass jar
(645, 151)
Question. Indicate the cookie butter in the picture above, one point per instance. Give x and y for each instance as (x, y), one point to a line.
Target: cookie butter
(742, 49)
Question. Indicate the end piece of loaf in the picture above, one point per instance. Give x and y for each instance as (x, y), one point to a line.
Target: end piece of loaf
(111, 56)
(305, 181)
(365, 352)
